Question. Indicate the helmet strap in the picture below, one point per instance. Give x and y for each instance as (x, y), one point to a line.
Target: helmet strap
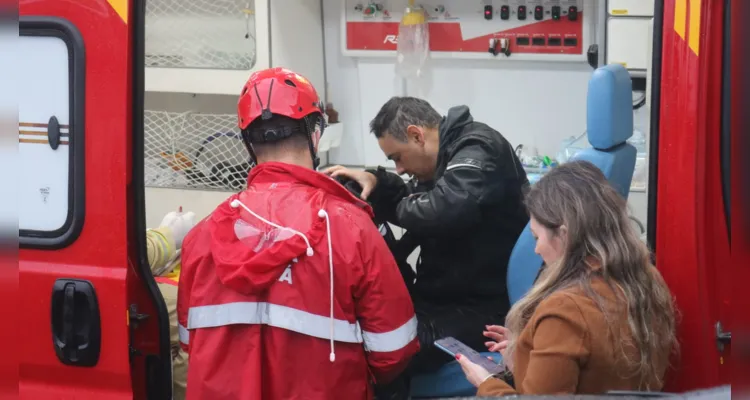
(250, 150)
(310, 122)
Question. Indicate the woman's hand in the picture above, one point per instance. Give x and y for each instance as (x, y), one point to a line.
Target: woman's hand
(475, 374)
(500, 336)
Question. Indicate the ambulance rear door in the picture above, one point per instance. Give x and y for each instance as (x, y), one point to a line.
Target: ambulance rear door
(89, 320)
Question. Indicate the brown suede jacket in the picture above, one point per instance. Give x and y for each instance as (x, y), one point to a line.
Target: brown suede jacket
(567, 348)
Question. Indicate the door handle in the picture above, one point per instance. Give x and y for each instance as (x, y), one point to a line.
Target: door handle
(722, 338)
(76, 329)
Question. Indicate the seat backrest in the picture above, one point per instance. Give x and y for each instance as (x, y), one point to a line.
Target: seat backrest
(609, 120)
(523, 265)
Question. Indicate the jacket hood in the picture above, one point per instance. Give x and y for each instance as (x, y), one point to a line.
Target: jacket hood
(258, 234)
(453, 123)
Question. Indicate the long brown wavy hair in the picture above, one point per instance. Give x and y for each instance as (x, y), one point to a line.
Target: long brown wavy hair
(578, 196)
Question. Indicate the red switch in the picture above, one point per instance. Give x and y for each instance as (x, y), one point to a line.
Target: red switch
(538, 13)
(573, 13)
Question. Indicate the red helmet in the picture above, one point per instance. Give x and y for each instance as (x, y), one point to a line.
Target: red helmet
(277, 91)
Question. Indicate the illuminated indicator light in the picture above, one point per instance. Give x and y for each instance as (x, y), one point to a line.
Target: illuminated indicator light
(521, 12)
(504, 12)
(538, 13)
(487, 12)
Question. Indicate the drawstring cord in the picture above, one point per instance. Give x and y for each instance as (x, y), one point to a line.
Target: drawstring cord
(237, 203)
(321, 214)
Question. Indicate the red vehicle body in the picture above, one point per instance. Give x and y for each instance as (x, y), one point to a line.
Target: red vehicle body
(105, 243)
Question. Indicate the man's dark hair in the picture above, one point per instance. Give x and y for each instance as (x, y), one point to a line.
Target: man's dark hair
(399, 112)
(297, 141)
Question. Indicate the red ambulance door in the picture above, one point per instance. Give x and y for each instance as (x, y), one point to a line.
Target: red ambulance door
(92, 323)
(692, 232)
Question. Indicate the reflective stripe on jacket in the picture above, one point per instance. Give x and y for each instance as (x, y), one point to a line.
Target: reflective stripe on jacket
(288, 291)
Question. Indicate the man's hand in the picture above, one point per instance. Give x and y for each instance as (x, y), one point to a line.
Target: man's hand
(365, 179)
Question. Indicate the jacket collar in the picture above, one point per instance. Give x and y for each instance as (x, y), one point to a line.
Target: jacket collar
(272, 171)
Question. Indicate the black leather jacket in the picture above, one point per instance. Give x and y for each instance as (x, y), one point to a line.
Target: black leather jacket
(467, 220)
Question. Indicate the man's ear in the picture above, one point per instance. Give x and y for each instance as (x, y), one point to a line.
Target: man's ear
(416, 134)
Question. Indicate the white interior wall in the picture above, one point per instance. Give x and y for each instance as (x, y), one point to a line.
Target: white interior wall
(531, 103)
(297, 39)
(534, 104)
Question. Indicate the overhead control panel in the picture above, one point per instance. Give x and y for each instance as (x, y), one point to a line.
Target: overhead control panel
(539, 30)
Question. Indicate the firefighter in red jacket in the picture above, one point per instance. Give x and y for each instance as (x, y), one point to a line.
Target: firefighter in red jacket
(288, 290)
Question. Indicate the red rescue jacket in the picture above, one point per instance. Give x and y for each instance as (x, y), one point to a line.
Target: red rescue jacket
(288, 291)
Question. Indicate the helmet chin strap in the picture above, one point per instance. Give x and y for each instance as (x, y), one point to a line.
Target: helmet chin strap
(310, 132)
(250, 150)
(316, 163)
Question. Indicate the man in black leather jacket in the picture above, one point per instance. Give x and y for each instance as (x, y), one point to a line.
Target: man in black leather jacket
(463, 208)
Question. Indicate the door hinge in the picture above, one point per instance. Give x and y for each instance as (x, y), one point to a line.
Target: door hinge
(722, 338)
(135, 316)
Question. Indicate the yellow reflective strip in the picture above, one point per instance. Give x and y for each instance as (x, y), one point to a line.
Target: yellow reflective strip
(121, 8)
(694, 34)
(680, 15)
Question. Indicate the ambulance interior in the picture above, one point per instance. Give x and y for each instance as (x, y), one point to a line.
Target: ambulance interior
(522, 66)
(200, 52)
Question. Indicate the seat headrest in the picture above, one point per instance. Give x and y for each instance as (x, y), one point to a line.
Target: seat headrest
(609, 107)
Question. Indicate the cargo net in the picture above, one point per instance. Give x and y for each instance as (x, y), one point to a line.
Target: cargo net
(213, 34)
(194, 151)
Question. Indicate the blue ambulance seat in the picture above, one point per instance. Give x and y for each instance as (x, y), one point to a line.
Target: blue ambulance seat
(609, 125)
(609, 121)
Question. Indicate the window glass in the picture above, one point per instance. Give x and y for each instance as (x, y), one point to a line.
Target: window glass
(50, 128)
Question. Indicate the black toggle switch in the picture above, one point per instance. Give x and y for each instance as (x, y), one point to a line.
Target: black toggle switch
(487, 12)
(556, 13)
(573, 13)
(521, 13)
(539, 13)
(505, 12)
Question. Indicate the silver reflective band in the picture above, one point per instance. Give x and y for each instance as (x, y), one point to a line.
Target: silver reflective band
(299, 321)
(450, 167)
(394, 340)
(272, 315)
(183, 334)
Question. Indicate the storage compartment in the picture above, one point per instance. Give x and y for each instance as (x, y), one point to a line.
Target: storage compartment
(187, 149)
(628, 41)
(194, 156)
(205, 46)
(213, 46)
(633, 8)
